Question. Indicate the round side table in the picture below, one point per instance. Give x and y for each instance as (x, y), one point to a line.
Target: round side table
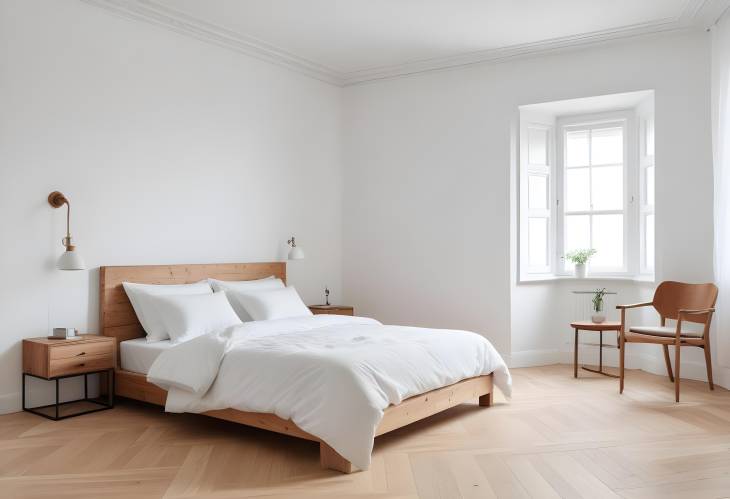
(600, 328)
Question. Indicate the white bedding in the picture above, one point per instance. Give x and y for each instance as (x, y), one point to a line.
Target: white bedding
(332, 375)
(138, 355)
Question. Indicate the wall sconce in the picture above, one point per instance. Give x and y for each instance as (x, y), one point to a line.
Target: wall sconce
(70, 260)
(295, 253)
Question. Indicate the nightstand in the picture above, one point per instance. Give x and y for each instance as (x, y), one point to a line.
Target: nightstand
(54, 360)
(332, 309)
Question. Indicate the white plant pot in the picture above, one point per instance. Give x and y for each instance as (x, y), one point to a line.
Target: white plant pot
(598, 317)
(580, 270)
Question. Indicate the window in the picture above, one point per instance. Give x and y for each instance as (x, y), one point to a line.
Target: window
(594, 211)
(586, 182)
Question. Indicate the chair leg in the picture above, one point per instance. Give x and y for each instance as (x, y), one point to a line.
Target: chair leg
(708, 363)
(621, 355)
(667, 362)
(677, 349)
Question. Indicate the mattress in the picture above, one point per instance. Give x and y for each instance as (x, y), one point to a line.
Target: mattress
(138, 355)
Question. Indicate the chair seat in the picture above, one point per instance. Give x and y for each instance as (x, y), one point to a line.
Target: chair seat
(665, 332)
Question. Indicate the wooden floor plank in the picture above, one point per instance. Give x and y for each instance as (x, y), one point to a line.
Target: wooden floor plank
(558, 437)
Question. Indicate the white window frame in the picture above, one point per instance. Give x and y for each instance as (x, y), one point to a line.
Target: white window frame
(626, 120)
(646, 160)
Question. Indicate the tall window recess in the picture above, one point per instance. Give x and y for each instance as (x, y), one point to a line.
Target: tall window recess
(536, 196)
(587, 181)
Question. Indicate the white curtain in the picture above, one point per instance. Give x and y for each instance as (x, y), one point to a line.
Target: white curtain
(721, 155)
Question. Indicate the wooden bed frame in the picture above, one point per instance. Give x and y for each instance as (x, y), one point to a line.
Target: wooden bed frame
(117, 319)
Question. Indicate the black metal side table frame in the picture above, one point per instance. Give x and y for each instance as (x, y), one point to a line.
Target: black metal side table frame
(104, 405)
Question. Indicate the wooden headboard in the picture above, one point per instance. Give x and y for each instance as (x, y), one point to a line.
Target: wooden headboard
(116, 315)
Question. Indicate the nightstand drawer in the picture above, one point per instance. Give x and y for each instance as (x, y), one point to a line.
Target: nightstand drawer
(81, 350)
(75, 365)
(332, 310)
(46, 358)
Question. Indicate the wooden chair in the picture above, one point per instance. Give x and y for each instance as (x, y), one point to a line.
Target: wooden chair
(681, 302)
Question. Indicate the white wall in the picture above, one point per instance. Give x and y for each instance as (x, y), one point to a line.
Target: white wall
(171, 151)
(175, 151)
(428, 163)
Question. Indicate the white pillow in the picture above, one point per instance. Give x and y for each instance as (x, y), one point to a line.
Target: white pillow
(189, 316)
(142, 298)
(270, 282)
(271, 303)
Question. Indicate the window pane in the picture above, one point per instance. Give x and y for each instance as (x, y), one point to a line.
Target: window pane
(607, 188)
(650, 185)
(607, 146)
(649, 241)
(537, 197)
(537, 139)
(537, 242)
(577, 193)
(577, 234)
(576, 148)
(608, 241)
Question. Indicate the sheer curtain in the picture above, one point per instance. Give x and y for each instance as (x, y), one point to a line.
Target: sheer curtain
(721, 155)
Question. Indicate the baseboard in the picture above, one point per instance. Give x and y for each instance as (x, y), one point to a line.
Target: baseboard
(10, 402)
(530, 358)
(589, 355)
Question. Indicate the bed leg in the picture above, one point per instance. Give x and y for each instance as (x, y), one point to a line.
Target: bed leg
(330, 459)
(485, 400)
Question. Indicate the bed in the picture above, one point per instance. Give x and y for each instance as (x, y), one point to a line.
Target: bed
(118, 320)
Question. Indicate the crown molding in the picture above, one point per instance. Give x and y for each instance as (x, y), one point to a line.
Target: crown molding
(696, 14)
(505, 53)
(150, 12)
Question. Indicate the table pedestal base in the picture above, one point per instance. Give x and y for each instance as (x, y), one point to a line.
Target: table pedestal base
(599, 328)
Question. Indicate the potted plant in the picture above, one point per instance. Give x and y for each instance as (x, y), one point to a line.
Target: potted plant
(598, 313)
(580, 258)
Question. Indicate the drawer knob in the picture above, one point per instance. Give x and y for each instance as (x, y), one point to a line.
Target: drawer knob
(80, 354)
(82, 364)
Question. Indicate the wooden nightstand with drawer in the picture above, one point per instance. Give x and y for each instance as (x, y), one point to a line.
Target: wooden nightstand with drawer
(332, 309)
(54, 360)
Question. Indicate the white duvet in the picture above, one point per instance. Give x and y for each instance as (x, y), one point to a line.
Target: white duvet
(332, 375)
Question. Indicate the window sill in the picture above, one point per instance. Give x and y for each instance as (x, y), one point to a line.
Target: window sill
(643, 278)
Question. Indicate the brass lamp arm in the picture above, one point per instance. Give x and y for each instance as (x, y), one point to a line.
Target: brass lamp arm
(57, 199)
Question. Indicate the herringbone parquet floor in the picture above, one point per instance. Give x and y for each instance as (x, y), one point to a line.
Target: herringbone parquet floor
(558, 437)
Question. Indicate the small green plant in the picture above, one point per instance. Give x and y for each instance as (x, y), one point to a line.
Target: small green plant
(580, 256)
(598, 299)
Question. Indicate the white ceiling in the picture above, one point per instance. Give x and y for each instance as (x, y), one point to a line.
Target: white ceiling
(346, 41)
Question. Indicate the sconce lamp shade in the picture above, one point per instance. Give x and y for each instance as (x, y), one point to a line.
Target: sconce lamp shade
(71, 260)
(296, 253)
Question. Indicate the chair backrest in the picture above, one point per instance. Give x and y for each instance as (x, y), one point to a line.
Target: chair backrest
(671, 296)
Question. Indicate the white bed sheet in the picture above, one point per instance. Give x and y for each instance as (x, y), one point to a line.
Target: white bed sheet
(332, 375)
(138, 355)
